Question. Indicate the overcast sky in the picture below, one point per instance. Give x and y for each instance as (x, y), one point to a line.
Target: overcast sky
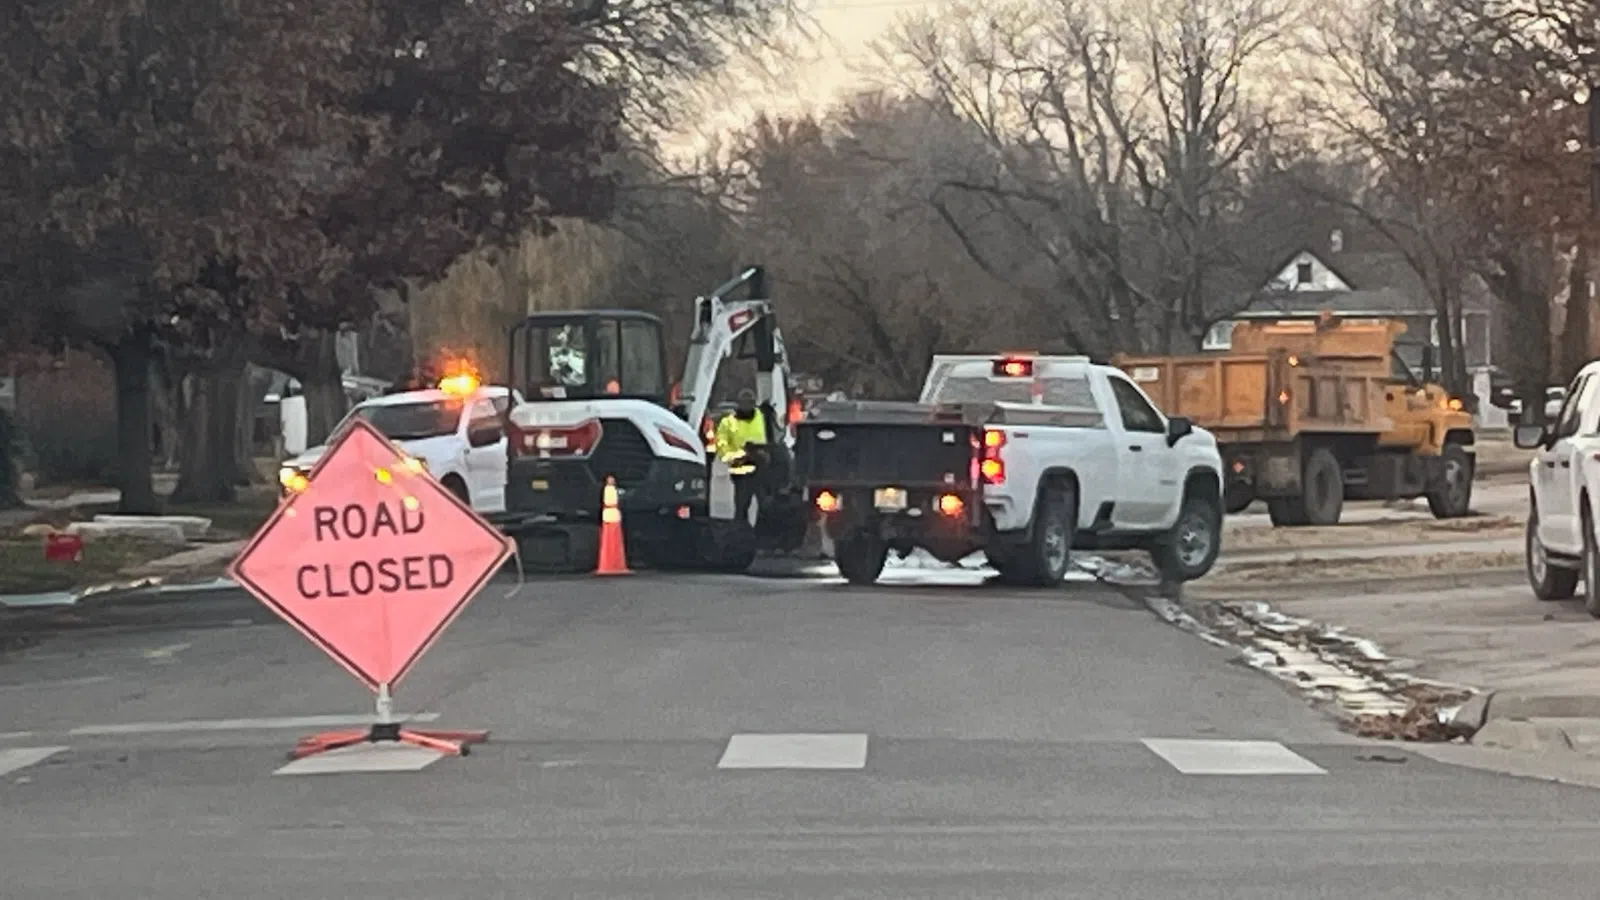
(832, 62)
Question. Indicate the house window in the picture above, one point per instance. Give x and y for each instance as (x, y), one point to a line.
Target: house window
(1302, 273)
(1218, 337)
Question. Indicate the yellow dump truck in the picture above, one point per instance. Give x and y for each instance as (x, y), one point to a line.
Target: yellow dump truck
(1309, 413)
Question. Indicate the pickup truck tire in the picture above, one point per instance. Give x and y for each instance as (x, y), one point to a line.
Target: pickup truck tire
(1322, 494)
(1047, 557)
(1549, 582)
(1190, 548)
(1452, 499)
(860, 558)
(1591, 561)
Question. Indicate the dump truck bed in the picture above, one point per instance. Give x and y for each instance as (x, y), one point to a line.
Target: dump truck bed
(1264, 397)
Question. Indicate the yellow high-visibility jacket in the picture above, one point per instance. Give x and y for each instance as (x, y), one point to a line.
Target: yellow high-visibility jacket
(734, 434)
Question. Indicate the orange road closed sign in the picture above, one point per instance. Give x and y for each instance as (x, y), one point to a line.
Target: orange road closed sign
(373, 560)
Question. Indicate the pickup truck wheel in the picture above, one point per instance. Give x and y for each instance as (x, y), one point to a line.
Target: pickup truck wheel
(1591, 562)
(1548, 582)
(861, 558)
(1190, 549)
(1048, 556)
(1452, 499)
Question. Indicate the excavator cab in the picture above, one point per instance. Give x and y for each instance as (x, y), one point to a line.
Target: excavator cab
(589, 355)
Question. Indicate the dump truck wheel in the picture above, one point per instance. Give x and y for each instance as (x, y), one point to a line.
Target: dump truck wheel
(1453, 498)
(1323, 483)
(1237, 498)
(1286, 512)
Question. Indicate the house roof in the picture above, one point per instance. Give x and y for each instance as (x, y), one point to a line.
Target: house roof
(1382, 283)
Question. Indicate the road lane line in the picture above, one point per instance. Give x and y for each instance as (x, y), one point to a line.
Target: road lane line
(23, 757)
(279, 724)
(795, 751)
(1198, 757)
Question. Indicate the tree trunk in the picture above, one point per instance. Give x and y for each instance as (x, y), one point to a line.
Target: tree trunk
(209, 470)
(244, 440)
(323, 385)
(10, 478)
(1575, 349)
(131, 358)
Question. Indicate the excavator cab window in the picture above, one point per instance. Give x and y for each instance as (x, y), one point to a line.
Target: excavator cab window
(589, 355)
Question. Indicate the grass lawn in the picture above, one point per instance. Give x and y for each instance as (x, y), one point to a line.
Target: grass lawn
(23, 569)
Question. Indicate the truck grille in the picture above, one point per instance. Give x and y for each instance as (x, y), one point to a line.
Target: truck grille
(622, 452)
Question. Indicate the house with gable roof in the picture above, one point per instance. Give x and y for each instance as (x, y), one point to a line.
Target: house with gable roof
(1373, 284)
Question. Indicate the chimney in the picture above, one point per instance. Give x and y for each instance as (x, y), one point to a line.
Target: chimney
(1336, 241)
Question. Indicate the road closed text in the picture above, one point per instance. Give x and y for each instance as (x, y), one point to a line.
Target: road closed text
(364, 574)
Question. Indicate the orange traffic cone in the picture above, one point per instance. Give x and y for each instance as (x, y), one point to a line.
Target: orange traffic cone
(613, 557)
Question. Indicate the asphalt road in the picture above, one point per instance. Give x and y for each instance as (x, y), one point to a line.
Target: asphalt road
(986, 743)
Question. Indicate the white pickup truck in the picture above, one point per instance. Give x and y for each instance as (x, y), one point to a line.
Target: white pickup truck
(1563, 546)
(1023, 457)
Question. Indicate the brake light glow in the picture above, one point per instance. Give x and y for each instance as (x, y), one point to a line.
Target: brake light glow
(1013, 368)
(828, 501)
(992, 468)
(951, 505)
(551, 441)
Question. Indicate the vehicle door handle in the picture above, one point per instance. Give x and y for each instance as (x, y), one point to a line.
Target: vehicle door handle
(1136, 448)
(1566, 464)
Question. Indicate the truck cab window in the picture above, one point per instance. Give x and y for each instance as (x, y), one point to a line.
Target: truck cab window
(1137, 413)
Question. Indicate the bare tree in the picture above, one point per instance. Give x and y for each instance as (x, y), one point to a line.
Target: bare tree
(874, 280)
(1119, 138)
(1455, 105)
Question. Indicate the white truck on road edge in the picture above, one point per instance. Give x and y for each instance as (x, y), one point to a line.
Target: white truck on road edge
(1023, 457)
(1564, 495)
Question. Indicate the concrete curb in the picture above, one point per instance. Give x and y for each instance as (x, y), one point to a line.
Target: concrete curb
(1488, 706)
(1496, 577)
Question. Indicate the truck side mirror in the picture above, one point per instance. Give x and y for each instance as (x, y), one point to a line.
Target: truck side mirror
(1178, 427)
(1528, 437)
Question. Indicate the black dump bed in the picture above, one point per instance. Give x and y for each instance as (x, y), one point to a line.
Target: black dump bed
(877, 443)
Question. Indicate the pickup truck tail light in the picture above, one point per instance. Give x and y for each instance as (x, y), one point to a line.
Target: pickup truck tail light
(990, 466)
(557, 441)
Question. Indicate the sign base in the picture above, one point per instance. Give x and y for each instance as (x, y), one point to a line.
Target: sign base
(387, 730)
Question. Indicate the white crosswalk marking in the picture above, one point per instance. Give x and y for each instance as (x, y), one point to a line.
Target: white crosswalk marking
(795, 751)
(1198, 757)
(16, 758)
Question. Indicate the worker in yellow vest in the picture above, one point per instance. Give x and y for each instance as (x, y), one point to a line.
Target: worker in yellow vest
(741, 442)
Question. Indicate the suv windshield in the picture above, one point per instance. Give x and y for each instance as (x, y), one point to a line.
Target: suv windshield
(412, 421)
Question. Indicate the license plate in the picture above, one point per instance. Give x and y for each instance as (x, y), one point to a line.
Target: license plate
(889, 499)
(539, 484)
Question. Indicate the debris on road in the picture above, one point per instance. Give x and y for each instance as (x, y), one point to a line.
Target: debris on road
(1373, 693)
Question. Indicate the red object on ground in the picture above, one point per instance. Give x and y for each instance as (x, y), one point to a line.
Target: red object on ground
(62, 547)
(613, 556)
(371, 562)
